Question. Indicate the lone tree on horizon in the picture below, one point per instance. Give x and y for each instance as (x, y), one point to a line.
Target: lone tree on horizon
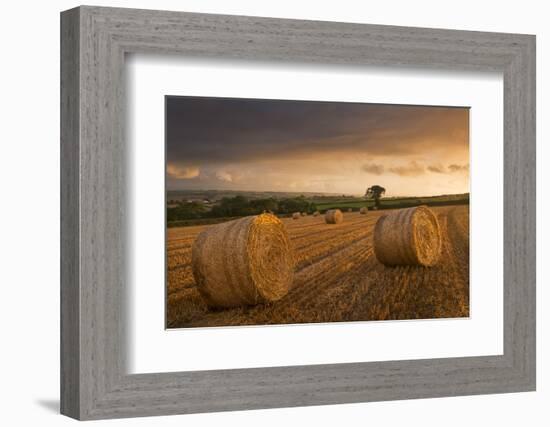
(375, 192)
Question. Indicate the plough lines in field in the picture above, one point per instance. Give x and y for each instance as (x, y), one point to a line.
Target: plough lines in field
(337, 277)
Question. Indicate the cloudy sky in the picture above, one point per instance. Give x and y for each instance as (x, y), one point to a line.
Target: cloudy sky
(336, 147)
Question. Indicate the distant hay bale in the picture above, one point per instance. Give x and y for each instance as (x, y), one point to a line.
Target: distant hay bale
(296, 215)
(316, 213)
(334, 216)
(350, 210)
(408, 237)
(304, 213)
(243, 262)
(363, 210)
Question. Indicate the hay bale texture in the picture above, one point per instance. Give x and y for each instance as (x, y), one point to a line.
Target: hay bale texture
(334, 216)
(243, 262)
(408, 237)
(363, 210)
(296, 215)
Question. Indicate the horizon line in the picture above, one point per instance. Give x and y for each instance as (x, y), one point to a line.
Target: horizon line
(313, 192)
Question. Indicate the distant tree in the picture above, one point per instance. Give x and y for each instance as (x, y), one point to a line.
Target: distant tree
(375, 192)
(297, 204)
(233, 206)
(264, 205)
(184, 210)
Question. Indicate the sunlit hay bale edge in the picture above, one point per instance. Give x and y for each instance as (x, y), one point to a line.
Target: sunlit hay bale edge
(243, 262)
(334, 216)
(408, 237)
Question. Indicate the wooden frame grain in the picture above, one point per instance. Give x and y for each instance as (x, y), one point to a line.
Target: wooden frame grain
(94, 382)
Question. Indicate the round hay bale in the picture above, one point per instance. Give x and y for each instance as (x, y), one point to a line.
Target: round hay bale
(363, 210)
(316, 213)
(304, 213)
(296, 215)
(243, 262)
(408, 237)
(334, 216)
(350, 210)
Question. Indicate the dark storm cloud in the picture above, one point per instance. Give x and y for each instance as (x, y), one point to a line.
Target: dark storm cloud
(217, 130)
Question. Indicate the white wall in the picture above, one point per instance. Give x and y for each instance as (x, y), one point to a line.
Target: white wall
(29, 211)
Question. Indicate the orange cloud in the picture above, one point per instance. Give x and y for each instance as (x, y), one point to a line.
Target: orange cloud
(436, 169)
(373, 168)
(459, 168)
(178, 172)
(412, 169)
(224, 176)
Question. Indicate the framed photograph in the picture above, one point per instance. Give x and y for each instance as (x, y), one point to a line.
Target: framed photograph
(291, 190)
(262, 213)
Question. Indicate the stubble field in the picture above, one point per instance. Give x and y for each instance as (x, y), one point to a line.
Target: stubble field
(337, 277)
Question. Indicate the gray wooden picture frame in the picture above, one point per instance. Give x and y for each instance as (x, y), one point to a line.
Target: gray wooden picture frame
(94, 381)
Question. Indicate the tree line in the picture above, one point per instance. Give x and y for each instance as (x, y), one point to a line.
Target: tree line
(239, 206)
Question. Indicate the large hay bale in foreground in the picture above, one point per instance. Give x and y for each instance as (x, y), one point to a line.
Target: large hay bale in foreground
(334, 216)
(363, 210)
(408, 237)
(243, 262)
(296, 215)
